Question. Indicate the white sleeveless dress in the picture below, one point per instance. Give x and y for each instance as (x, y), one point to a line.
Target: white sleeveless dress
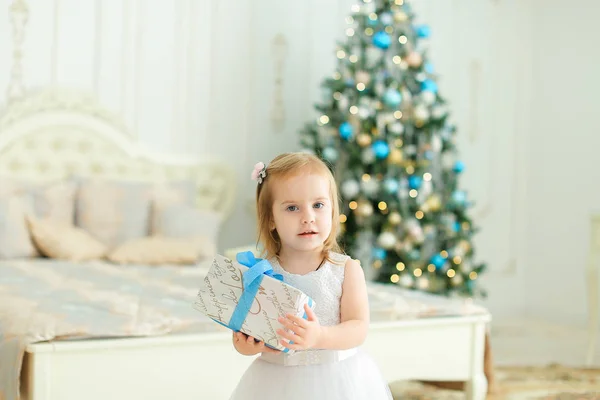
(315, 374)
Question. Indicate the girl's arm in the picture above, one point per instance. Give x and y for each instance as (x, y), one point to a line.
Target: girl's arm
(354, 313)
(248, 346)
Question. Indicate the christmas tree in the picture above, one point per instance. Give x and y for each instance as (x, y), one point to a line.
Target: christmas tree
(384, 129)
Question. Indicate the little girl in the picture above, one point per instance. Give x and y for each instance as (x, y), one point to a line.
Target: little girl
(298, 216)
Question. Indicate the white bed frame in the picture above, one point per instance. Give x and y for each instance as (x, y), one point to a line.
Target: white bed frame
(54, 134)
(206, 366)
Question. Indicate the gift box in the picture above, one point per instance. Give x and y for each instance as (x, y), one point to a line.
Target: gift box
(246, 295)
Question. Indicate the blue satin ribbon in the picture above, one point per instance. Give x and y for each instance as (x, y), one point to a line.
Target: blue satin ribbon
(251, 280)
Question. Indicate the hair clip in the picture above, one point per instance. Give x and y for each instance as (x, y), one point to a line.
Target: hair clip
(259, 173)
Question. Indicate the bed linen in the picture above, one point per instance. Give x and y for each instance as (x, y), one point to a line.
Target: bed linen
(45, 299)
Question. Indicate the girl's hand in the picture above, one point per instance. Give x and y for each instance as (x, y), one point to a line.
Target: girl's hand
(305, 334)
(248, 346)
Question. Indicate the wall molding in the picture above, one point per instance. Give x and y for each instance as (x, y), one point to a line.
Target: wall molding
(279, 51)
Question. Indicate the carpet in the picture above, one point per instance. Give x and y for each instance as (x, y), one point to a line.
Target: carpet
(554, 382)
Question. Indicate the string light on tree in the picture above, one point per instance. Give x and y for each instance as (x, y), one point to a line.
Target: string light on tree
(384, 128)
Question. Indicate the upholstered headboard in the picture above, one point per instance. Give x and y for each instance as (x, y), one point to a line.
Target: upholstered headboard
(56, 134)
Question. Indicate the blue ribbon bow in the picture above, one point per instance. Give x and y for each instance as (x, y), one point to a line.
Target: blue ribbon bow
(251, 280)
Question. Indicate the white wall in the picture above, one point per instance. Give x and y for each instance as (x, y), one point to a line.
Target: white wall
(203, 77)
(562, 172)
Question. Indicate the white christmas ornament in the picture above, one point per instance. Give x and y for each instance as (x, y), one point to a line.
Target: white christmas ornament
(368, 156)
(363, 77)
(426, 189)
(373, 55)
(466, 266)
(416, 232)
(410, 149)
(386, 18)
(365, 209)
(343, 104)
(422, 283)
(350, 189)
(364, 112)
(458, 251)
(406, 95)
(419, 237)
(421, 113)
(457, 280)
(396, 128)
(369, 187)
(387, 240)
(406, 280)
(428, 97)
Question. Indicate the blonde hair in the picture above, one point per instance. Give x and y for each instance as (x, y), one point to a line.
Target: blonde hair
(281, 167)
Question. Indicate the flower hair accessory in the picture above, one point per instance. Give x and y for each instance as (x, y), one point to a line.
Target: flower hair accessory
(259, 173)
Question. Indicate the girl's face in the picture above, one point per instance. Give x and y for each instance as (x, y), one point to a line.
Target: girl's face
(302, 211)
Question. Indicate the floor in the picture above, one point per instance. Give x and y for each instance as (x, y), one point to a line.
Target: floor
(530, 342)
(532, 360)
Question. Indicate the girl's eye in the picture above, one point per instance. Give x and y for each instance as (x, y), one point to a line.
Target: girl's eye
(292, 208)
(319, 205)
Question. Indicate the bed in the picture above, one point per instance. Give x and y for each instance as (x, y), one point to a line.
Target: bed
(97, 329)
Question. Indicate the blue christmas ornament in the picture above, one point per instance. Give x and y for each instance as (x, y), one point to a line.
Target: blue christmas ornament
(346, 130)
(459, 167)
(459, 196)
(391, 185)
(428, 67)
(381, 149)
(350, 82)
(382, 40)
(423, 31)
(392, 98)
(429, 85)
(330, 154)
(456, 226)
(428, 155)
(414, 181)
(379, 253)
(438, 261)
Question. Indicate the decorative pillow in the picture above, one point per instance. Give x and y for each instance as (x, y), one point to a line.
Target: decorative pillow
(114, 212)
(180, 221)
(168, 194)
(54, 201)
(186, 221)
(174, 192)
(15, 241)
(64, 242)
(156, 250)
